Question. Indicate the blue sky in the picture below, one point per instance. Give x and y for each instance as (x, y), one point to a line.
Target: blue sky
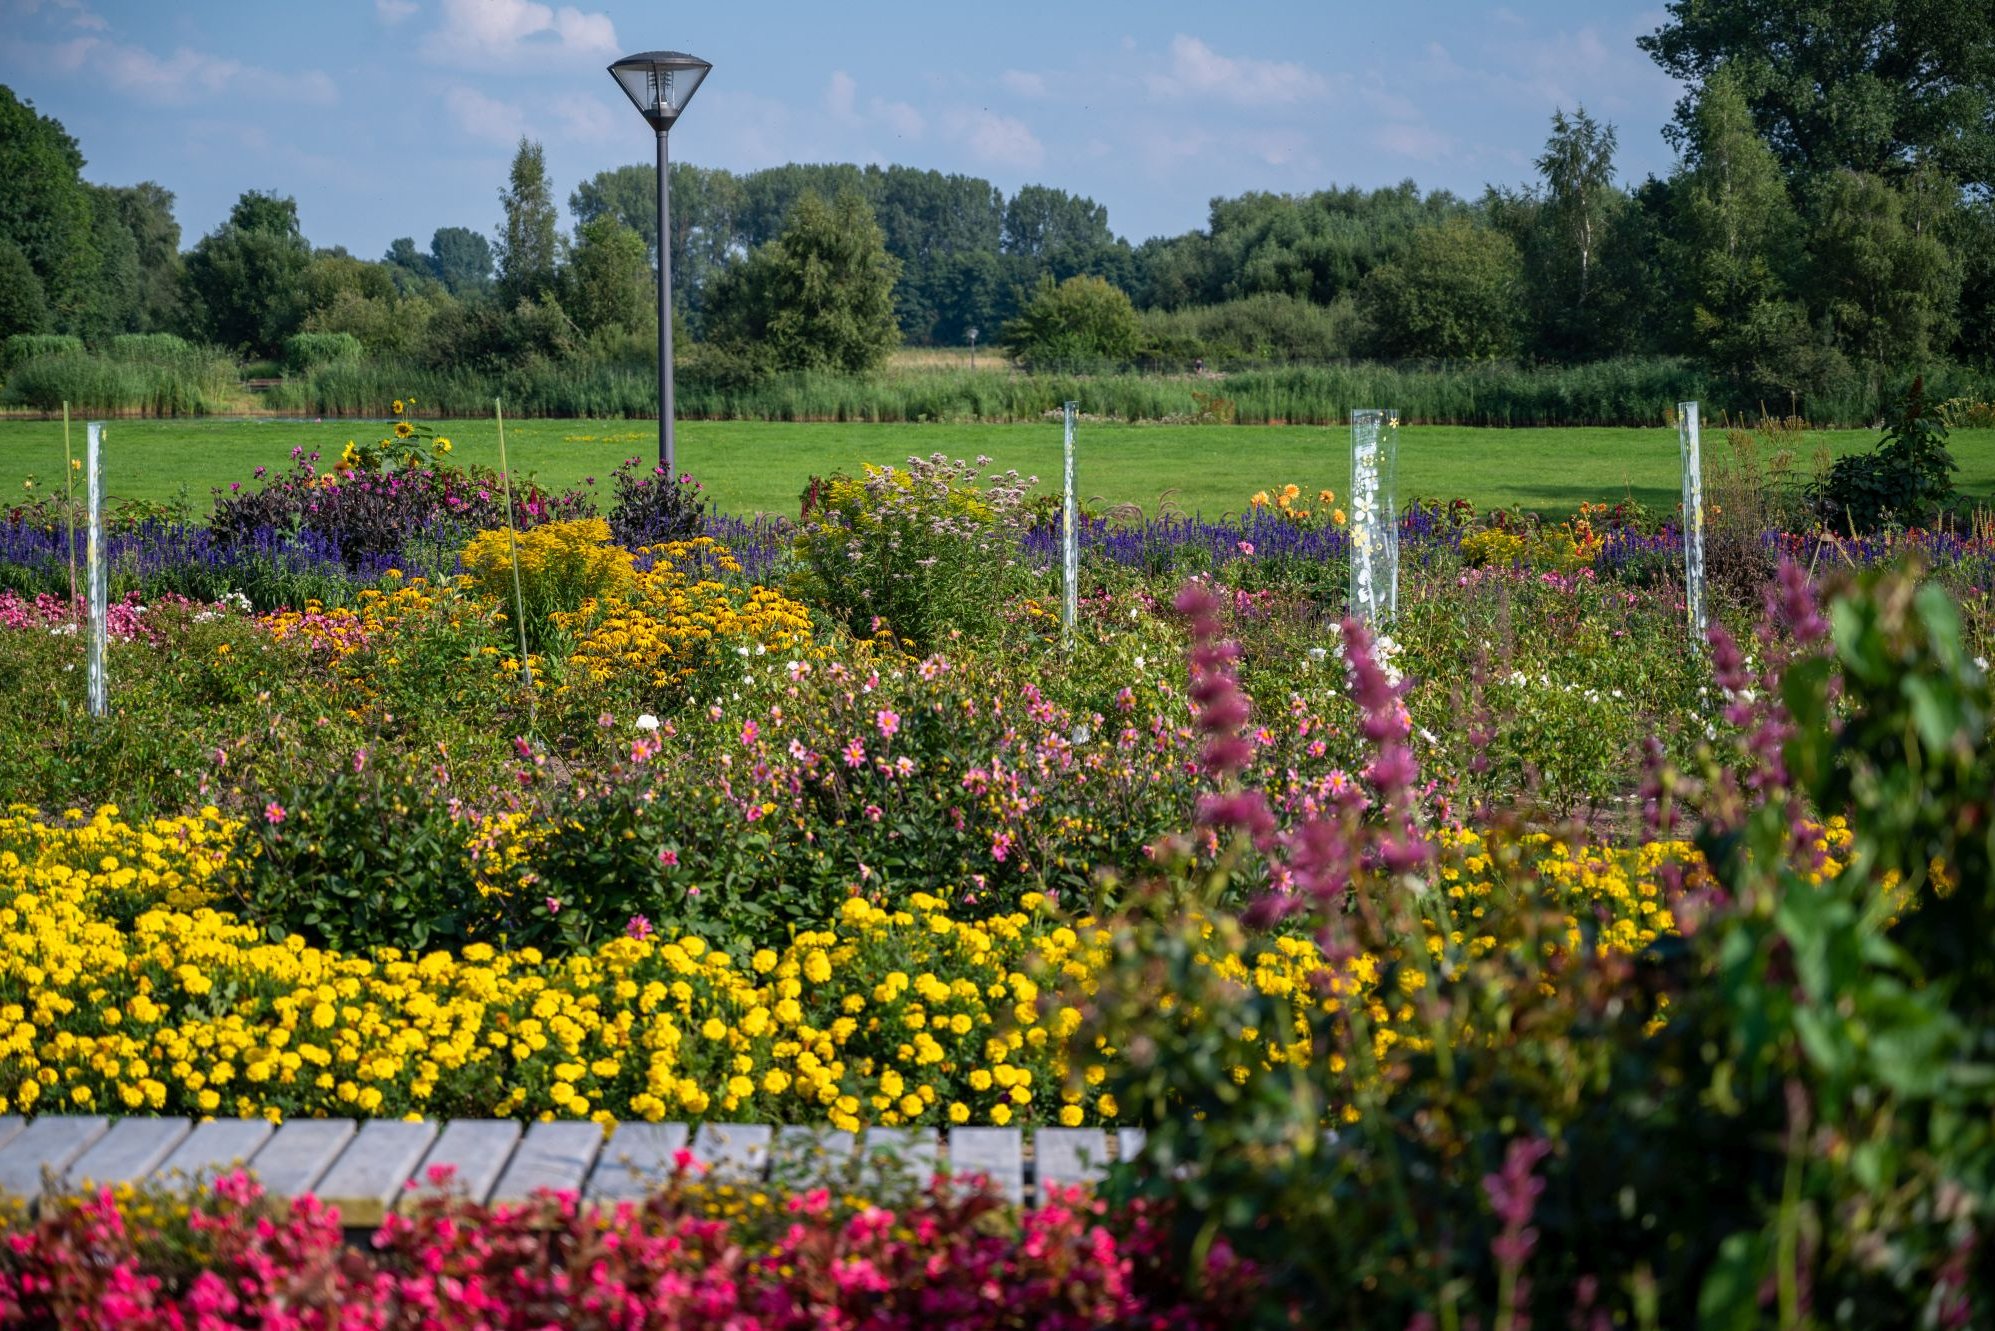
(387, 118)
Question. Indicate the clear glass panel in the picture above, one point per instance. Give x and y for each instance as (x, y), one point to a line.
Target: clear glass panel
(1688, 445)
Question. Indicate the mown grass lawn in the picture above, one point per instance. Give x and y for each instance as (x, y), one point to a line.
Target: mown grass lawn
(752, 466)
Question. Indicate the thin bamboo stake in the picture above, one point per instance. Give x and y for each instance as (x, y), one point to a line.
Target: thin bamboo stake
(513, 548)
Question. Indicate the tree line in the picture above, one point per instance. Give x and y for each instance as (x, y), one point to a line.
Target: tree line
(1828, 222)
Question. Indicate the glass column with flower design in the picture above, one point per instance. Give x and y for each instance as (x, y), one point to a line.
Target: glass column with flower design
(1374, 516)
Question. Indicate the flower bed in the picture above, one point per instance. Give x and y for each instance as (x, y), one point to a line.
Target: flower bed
(122, 989)
(223, 1255)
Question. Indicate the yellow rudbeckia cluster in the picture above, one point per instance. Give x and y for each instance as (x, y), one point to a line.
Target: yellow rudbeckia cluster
(677, 616)
(561, 564)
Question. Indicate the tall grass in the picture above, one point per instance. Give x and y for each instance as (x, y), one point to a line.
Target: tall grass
(132, 381)
(1626, 391)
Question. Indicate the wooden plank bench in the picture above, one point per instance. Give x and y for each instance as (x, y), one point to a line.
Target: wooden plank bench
(371, 1168)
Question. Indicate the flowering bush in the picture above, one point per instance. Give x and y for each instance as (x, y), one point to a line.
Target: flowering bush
(923, 551)
(651, 508)
(562, 565)
(1288, 503)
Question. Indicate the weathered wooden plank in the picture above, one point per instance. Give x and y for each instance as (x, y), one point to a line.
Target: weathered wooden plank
(476, 1150)
(367, 1178)
(214, 1146)
(733, 1150)
(291, 1162)
(635, 1160)
(908, 1154)
(131, 1150)
(996, 1153)
(51, 1143)
(554, 1156)
(1068, 1156)
(811, 1153)
(10, 1127)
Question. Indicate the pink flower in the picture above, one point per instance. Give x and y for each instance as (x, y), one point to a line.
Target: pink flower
(888, 721)
(638, 928)
(1246, 547)
(1001, 846)
(669, 858)
(554, 905)
(855, 753)
(359, 761)
(873, 813)
(749, 734)
(273, 813)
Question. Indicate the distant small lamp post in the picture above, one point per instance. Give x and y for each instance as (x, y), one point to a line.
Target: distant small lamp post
(972, 331)
(659, 84)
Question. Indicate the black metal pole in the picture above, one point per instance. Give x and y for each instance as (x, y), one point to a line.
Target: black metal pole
(667, 453)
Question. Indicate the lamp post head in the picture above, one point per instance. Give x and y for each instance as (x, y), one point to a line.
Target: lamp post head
(660, 83)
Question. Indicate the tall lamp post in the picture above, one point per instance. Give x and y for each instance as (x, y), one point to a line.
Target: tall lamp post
(659, 84)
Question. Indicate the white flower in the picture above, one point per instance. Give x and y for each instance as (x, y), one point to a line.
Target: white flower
(1139, 662)
(647, 722)
(1980, 663)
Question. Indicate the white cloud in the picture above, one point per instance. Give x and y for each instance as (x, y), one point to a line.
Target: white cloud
(1021, 83)
(79, 15)
(1196, 68)
(1004, 141)
(1415, 141)
(395, 11)
(484, 117)
(902, 119)
(511, 31)
(587, 119)
(841, 95)
(187, 76)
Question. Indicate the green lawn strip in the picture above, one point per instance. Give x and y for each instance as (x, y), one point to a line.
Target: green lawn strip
(754, 466)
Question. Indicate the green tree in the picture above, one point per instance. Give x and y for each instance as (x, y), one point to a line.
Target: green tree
(1079, 321)
(1863, 85)
(1881, 271)
(818, 297)
(1574, 226)
(45, 209)
(529, 242)
(111, 299)
(1736, 248)
(407, 266)
(462, 260)
(245, 280)
(1455, 296)
(1974, 242)
(23, 307)
(609, 282)
(147, 212)
(705, 202)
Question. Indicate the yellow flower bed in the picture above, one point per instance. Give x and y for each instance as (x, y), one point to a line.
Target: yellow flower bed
(678, 616)
(561, 564)
(123, 990)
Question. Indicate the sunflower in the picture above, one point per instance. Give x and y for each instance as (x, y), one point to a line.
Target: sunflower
(403, 429)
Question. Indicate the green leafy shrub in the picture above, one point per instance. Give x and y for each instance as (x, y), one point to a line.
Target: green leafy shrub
(1907, 478)
(1082, 321)
(921, 551)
